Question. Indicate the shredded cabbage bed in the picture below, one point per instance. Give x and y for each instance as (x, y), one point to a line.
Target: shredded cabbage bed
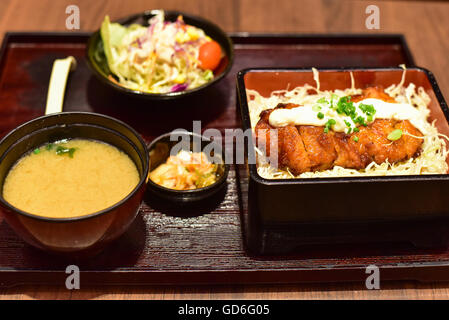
(432, 159)
(160, 58)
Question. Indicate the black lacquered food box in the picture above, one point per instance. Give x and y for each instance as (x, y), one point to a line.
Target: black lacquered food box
(286, 214)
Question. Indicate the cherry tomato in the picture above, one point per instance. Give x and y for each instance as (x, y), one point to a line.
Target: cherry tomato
(210, 55)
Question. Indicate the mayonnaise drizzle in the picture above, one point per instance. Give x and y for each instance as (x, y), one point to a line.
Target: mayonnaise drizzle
(305, 115)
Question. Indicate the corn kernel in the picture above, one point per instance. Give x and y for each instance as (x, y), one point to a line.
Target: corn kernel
(193, 34)
(180, 79)
(182, 37)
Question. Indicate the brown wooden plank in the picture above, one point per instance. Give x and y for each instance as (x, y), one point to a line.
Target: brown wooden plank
(48, 15)
(419, 21)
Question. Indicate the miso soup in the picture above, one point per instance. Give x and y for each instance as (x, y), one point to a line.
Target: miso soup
(70, 178)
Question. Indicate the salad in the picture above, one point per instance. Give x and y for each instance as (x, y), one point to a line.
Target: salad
(163, 57)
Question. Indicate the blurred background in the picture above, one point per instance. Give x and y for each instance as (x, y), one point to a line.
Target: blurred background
(424, 23)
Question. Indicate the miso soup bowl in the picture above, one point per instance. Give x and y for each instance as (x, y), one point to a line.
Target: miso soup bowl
(87, 233)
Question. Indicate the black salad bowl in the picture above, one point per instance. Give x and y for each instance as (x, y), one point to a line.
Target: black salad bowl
(98, 63)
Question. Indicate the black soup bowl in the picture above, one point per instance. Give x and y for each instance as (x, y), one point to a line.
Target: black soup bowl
(88, 233)
(167, 144)
(98, 63)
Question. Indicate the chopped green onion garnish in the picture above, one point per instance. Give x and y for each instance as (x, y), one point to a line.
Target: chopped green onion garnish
(347, 107)
(36, 151)
(360, 120)
(368, 109)
(316, 108)
(356, 129)
(322, 100)
(60, 150)
(71, 152)
(356, 139)
(395, 135)
(49, 146)
(328, 124)
(320, 115)
(344, 106)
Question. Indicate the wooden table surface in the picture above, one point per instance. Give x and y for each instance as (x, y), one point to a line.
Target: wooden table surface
(424, 23)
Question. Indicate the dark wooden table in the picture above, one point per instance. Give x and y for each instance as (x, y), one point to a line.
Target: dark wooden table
(422, 22)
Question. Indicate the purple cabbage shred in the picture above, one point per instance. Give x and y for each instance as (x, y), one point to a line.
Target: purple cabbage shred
(179, 87)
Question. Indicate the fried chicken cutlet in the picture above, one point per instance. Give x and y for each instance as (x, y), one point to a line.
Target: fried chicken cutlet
(306, 148)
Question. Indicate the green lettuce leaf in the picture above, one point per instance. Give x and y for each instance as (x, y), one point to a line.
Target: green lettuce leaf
(112, 35)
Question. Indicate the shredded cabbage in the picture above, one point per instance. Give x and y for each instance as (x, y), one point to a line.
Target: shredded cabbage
(432, 159)
(160, 58)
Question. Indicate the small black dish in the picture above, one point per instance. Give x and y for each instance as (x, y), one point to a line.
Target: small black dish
(98, 64)
(159, 151)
